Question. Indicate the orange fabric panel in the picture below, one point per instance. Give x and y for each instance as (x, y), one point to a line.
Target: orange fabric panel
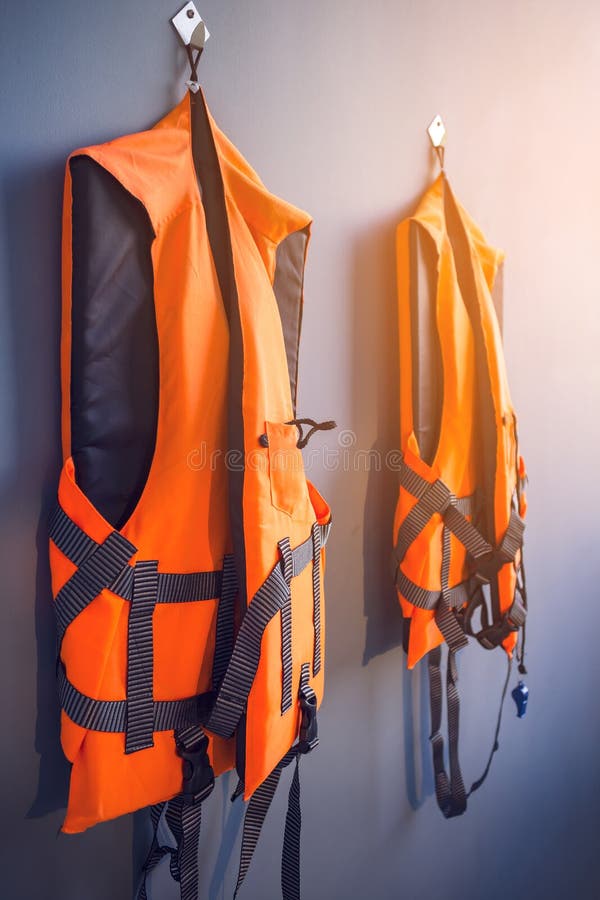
(106, 782)
(269, 734)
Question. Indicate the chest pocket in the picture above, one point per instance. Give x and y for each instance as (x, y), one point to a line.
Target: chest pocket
(289, 492)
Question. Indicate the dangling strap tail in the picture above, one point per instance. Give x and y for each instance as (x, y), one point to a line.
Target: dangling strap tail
(183, 814)
(290, 860)
(256, 813)
(450, 792)
(260, 802)
(156, 852)
(477, 784)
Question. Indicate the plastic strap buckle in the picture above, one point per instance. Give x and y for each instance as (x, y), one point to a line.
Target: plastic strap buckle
(198, 775)
(487, 566)
(309, 732)
(494, 634)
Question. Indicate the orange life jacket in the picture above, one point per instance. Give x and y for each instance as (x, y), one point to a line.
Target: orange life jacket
(187, 545)
(460, 515)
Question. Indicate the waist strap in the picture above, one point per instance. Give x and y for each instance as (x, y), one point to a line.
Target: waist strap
(106, 565)
(111, 715)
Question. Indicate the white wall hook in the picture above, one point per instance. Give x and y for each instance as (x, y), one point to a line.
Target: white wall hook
(190, 27)
(437, 136)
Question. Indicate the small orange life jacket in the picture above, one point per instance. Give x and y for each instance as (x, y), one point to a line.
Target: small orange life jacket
(186, 549)
(460, 514)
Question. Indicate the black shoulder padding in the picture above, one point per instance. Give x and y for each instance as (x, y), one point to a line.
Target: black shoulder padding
(485, 425)
(114, 359)
(212, 193)
(288, 286)
(427, 372)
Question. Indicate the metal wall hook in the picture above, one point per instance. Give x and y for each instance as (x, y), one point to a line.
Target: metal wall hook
(437, 136)
(193, 32)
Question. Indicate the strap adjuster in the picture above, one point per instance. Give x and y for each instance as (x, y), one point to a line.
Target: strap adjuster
(198, 775)
(494, 634)
(487, 566)
(309, 732)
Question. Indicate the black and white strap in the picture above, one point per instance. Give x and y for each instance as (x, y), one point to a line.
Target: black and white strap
(111, 715)
(269, 600)
(97, 570)
(183, 815)
(260, 803)
(139, 732)
(106, 565)
(436, 498)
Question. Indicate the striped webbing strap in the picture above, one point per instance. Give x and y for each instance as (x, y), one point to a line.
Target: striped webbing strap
(435, 497)
(183, 815)
(260, 802)
(184, 818)
(271, 598)
(450, 789)
(110, 716)
(106, 565)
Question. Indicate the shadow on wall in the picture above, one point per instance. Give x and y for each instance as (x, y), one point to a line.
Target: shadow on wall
(33, 203)
(376, 353)
(53, 778)
(232, 815)
(376, 398)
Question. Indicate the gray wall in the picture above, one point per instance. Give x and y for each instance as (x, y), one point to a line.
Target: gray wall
(330, 101)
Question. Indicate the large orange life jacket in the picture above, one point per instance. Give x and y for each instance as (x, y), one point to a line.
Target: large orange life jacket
(460, 515)
(187, 545)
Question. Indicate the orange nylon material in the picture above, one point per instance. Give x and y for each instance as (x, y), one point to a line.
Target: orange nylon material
(455, 460)
(157, 167)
